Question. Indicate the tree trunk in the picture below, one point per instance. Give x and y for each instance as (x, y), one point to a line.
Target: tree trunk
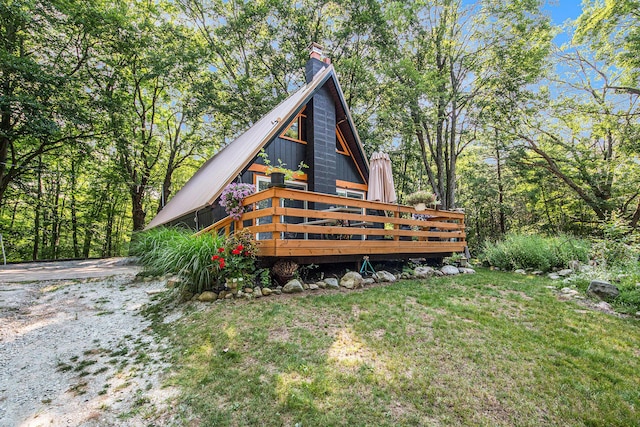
(137, 210)
(36, 220)
(74, 215)
(501, 214)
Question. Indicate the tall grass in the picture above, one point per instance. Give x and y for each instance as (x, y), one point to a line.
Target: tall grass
(535, 252)
(176, 251)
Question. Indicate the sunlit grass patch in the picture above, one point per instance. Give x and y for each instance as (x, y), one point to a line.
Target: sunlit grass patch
(485, 349)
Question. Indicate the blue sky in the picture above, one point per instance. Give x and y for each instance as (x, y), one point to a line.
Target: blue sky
(561, 10)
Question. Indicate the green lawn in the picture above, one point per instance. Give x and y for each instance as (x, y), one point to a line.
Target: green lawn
(486, 349)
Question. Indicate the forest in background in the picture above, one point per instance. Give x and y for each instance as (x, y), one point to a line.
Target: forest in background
(108, 107)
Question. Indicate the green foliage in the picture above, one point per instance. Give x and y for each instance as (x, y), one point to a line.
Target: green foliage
(176, 251)
(619, 246)
(535, 252)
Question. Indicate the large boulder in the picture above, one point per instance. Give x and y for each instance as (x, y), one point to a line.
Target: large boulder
(384, 276)
(292, 286)
(423, 272)
(351, 280)
(603, 290)
(449, 270)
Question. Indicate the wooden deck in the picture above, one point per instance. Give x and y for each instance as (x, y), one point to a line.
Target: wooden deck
(316, 227)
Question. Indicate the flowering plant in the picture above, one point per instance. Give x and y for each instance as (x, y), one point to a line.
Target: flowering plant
(232, 197)
(237, 258)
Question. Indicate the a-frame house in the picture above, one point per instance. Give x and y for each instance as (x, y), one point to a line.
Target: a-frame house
(326, 203)
(313, 126)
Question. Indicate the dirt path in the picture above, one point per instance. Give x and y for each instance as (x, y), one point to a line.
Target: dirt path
(74, 348)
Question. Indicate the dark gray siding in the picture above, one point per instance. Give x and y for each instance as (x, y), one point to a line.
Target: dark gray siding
(291, 153)
(346, 169)
(321, 137)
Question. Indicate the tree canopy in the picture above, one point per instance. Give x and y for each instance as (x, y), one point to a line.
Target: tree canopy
(108, 107)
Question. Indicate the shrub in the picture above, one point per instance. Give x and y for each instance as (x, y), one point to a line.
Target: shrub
(175, 251)
(535, 252)
(619, 246)
(236, 259)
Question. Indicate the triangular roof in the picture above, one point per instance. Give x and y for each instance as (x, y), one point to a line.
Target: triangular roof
(206, 185)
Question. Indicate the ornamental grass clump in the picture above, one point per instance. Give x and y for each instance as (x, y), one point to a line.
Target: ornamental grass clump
(232, 197)
(535, 252)
(176, 251)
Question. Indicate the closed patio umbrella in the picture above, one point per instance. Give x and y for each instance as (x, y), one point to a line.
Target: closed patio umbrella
(381, 188)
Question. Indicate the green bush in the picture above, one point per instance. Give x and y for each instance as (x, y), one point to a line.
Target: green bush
(535, 252)
(176, 251)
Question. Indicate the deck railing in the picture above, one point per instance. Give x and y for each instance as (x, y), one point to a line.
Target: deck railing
(295, 223)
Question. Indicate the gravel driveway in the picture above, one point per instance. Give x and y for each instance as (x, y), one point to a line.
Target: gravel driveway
(74, 348)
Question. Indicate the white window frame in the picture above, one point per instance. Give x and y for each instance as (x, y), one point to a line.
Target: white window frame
(296, 185)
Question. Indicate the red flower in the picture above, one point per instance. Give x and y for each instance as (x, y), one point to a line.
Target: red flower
(240, 248)
(215, 257)
(246, 253)
(220, 250)
(235, 252)
(221, 263)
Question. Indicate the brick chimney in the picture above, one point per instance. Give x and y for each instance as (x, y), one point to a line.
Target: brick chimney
(321, 129)
(315, 62)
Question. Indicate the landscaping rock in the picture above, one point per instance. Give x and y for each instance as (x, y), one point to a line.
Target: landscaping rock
(465, 270)
(257, 292)
(151, 292)
(321, 284)
(564, 273)
(248, 290)
(520, 271)
(423, 272)
(384, 276)
(603, 290)
(438, 273)
(305, 286)
(228, 296)
(351, 280)
(313, 287)
(368, 281)
(553, 276)
(293, 286)
(332, 283)
(449, 270)
(266, 292)
(208, 296)
(173, 282)
(537, 272)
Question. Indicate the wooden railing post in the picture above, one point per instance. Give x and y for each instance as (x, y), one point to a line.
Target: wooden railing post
(275, 219)
(396, 226)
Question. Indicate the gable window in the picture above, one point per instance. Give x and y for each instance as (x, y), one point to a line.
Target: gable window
(296, 130)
